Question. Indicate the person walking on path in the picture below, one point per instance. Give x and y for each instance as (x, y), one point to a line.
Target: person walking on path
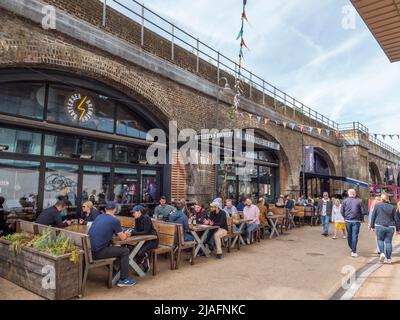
(352, 212)
(371, 209)
(338, 219)
(385, 221)
(324, 210)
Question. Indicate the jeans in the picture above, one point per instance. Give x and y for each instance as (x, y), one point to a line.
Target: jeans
(148, 245)
(325, 223)
(352, 228)
(189, 237)
(384, 236)
(121, 253)
(250, 228)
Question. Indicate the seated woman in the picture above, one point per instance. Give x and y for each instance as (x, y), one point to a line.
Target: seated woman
(280, 203)
(89, 213)
(144, 226)
(263, 213)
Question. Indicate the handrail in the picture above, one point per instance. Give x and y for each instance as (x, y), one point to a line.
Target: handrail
(282, 102)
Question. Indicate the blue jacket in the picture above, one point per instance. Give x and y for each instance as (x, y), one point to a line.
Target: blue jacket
(180, 217)
(352, 209)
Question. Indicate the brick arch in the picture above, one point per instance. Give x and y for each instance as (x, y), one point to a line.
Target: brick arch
(328, 159)
(92, 64)
(373, 168)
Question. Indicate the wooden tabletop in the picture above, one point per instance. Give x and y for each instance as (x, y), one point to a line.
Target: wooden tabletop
(201, 227)
(276, 216)
(244, 220)
(134, 240)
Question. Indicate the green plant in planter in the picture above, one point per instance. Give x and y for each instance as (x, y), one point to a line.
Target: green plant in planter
(18, 240)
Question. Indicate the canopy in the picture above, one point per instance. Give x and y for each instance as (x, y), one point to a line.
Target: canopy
(344, 179)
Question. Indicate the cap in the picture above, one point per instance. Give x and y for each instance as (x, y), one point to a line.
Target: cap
(216, 203)
(110, 205)
(137, 208)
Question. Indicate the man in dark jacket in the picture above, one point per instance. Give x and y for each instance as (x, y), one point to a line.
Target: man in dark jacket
(385, 221)
(324, 211)
(52, 216)
(218, 218)
(144, 226)
(352, 212)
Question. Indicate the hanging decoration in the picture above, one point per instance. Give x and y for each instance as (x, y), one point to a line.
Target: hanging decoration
(238, 90)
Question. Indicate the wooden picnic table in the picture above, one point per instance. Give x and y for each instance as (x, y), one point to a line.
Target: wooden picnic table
(204, 229)
(242, 223)
(134, 241)
(273, 221)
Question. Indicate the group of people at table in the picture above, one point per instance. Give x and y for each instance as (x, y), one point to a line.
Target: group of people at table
(104, 226)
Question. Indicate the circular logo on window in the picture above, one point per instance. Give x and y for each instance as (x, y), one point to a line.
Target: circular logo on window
(80, 107)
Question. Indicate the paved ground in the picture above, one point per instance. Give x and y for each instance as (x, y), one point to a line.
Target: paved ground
(299, 265)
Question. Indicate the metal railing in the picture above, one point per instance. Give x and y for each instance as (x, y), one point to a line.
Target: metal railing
(268, 94)
(360, 128)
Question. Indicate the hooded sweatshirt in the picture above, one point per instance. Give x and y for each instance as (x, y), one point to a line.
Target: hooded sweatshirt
(180, 217)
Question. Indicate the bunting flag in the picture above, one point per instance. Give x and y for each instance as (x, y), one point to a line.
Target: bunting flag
(328, 132)
(293, 125)
(240, 34)
(319, 131)
(277, 122)
(250, 115)
(242, 114)
(284, 124)
(301, 127)
(266, 121)
(376, 136)
(310, 129)
(258, 119)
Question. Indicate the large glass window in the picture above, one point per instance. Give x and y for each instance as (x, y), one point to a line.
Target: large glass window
(18, 141)
(80, 108)
(61, 182)
(96, 150)
(23, 99)
(126, 185)
(96, 184)
(266, 182)
(150, 183)
(130, 154)
(60, 146)
(129, 124)
(19, 184)
(227, 181)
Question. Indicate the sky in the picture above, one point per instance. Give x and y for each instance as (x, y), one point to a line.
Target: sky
(319, 52)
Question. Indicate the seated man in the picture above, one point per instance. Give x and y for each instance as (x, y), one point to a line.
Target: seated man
(163, 209)
(289, 204)
(101, 233)
(180, 217)
(144, 226)
(251, 212)
(217, 218)
(241, 204)
(52, 216)
(229, 208)
(199, 213)
(89, 213)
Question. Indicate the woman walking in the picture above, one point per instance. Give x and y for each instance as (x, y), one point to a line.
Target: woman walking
(338, 219)
(385, 221)
(371, 209)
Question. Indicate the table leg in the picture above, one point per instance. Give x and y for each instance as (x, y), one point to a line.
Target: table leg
(273, 228)
(132, 262)
(200, 243)
(240, 237)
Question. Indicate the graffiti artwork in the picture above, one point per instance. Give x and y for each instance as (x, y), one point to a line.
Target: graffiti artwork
(57, 182)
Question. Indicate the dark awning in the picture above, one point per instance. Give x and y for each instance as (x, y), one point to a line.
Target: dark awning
(344, 179)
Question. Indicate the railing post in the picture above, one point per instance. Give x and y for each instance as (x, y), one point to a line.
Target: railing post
(263, 93)
(302, 113)
(142, 28)
(284, 100)
(251, 84)
(104, 12)
(197, 58)
(294, 111)
(172, 43)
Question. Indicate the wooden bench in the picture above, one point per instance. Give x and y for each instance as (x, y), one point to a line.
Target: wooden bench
(232, 235)
(126, 222)
(167, 240)
(183, 245)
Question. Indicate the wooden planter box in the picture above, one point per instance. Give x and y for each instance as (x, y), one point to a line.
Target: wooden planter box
(52, 277)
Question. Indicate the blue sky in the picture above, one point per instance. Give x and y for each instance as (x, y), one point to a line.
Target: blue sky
(301, 47)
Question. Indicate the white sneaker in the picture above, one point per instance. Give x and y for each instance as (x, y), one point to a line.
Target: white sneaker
(388, 261)
(248, 241)
(382, 258)
(354, 255)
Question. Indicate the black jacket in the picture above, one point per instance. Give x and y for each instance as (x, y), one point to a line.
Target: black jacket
(51, 217)
(384, 214)
(144, 226)
(219, 219)
(91, 217)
